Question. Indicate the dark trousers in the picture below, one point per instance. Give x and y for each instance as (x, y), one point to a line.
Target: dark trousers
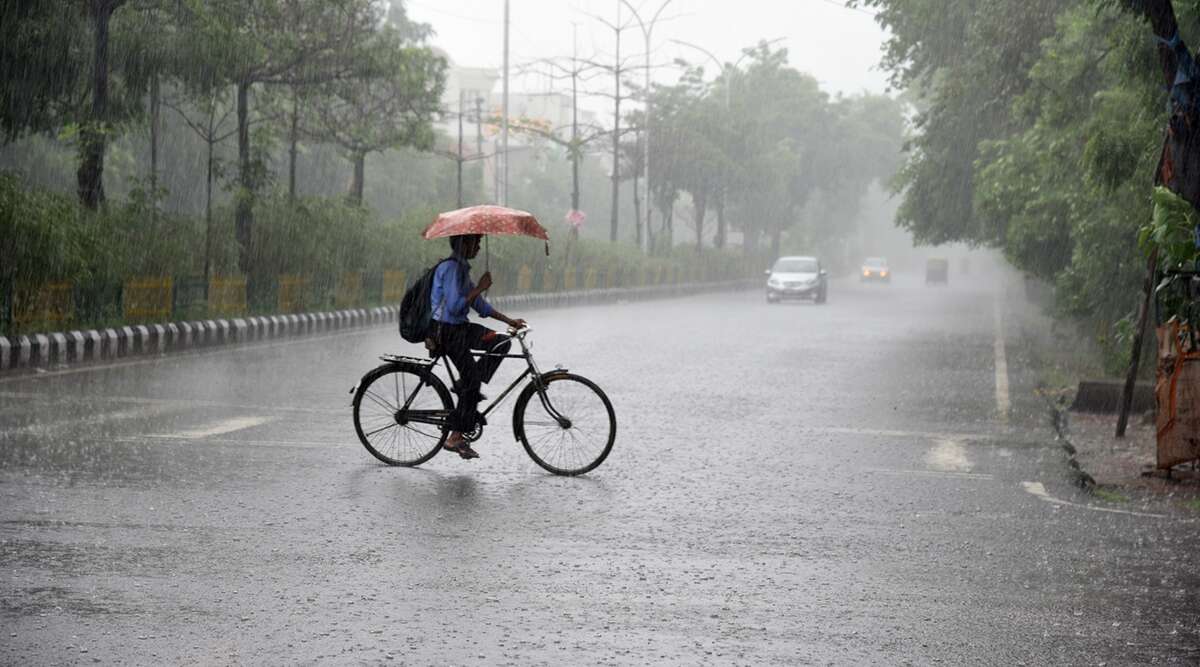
(456, 342)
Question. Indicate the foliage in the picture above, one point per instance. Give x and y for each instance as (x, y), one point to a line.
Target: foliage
(766, 144)
(1039, 131)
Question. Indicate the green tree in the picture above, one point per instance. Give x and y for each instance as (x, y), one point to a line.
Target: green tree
(276, 42)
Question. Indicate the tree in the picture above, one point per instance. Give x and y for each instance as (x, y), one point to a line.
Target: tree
(277, 42)
(389, 103)
(967, 61)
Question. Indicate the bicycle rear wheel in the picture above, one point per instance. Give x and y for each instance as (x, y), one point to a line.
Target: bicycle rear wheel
(400, 414)
(578, 444)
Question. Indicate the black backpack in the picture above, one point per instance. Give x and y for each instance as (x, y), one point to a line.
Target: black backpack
(416, 311)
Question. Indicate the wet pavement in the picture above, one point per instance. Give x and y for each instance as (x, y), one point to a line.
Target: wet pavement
(799, 484)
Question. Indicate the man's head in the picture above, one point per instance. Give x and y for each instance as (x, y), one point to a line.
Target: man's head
(465, 246)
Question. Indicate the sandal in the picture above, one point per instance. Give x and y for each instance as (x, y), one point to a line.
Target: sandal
(463, 449)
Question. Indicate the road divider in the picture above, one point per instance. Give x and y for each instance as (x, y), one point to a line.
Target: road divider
(31, 353)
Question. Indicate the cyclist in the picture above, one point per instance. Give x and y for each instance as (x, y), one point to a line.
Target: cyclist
(451, 294)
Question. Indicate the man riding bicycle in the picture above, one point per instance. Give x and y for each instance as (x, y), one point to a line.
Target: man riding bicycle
(451, 295)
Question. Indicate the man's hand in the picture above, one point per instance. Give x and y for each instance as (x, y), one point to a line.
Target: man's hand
(517, 323)
(485, 282)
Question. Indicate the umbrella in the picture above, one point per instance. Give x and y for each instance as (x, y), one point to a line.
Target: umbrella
(487, 220)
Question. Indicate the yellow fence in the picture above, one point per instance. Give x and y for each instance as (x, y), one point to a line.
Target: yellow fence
(290, 297)
(147, 299)
(524, 278)
(393, 286)
(51, 303)
(349, 290)
(568, 279)
(548, 282)
(589, 278)
(227, 296)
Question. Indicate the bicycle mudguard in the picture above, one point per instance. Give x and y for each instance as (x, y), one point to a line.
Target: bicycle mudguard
(527, 393)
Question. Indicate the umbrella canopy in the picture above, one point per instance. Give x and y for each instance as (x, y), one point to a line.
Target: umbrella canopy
(486, 220)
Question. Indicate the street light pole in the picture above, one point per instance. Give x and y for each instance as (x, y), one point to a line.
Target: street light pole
(647, 30)
(503, 194)
(725, 67)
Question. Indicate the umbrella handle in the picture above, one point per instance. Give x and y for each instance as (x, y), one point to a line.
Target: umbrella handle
(486, 255)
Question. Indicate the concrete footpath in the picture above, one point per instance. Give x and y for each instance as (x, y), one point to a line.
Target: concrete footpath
(1122, 470)
(58, 349)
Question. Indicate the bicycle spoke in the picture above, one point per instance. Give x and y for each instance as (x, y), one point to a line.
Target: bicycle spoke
(381, 402)
(380, 430)
(380, 409)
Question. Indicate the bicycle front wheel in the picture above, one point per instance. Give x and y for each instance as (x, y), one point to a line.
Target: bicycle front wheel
(400, 414)
(572, 430)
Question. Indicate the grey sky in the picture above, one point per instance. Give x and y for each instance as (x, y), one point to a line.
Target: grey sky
(839, 46)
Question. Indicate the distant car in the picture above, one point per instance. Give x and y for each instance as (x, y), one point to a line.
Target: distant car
(797, 278)
(937, 271)
(875, 268)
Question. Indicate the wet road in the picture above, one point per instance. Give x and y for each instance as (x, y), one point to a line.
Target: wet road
(799, 484)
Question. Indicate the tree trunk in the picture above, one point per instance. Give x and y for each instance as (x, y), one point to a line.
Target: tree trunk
(356, 184)
(637, 209)
(293, 141)
(669, 228)
(776, 241)
(719, 241)
(1162, 21)
(1135, 355)
(701, 203)
(244, 212)
(90, 176)
(155, 117)
(208, 209)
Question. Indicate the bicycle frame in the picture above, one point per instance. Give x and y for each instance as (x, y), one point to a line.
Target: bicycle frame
(531, 371)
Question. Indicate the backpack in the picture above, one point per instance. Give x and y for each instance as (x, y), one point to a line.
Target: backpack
(416, 311)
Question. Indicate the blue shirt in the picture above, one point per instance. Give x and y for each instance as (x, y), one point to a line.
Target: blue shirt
(448, 296)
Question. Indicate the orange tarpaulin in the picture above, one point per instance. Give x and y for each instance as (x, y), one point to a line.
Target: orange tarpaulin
(1177, 393)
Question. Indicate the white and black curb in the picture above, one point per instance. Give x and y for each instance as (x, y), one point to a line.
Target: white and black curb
(58, 349)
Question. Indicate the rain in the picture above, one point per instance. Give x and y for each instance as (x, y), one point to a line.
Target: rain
(826, 332)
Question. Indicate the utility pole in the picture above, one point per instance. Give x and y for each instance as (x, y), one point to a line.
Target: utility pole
(479, 126)
(503, 194)
(460, 147)
(647, 31)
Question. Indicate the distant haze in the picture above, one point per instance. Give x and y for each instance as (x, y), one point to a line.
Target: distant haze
(839, 46)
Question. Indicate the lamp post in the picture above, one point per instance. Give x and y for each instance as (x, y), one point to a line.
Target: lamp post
(647, 28)
(725, 67)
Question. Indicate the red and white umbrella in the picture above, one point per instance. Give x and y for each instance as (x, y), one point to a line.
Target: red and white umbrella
(488, 220)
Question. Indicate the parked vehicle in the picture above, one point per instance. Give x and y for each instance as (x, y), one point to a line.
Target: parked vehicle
(937, 271)
(875, 269)
(797, 278)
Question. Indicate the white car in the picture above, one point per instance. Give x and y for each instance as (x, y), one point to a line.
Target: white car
(797, 278)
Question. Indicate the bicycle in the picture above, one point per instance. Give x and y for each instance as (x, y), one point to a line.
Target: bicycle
(401, 408)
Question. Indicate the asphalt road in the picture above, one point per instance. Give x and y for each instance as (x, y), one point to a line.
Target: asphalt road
(870, 481)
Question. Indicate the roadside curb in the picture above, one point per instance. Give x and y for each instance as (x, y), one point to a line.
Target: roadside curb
(59, 349)
(1060, 419)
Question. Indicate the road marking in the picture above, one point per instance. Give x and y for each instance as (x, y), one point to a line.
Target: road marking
(94, 419)
(304, 444)
(948, 456)
(1039, 491)
(220, 428)
(931, 473)
(1002, 401)
(925, 435)
(180, 403)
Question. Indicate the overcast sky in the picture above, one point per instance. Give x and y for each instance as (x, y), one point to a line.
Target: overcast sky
(839, 46)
